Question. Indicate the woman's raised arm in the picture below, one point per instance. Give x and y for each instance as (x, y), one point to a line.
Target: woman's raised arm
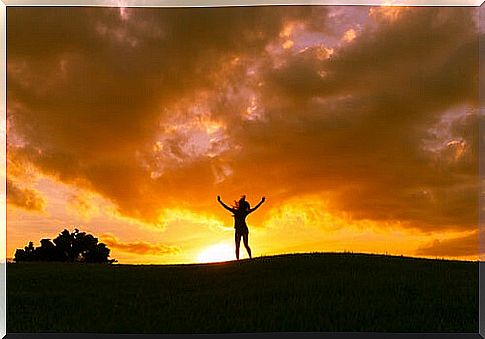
(224, 205)
(257, 206)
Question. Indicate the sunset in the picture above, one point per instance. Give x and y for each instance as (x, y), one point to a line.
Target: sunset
(243, 169)
(358, 124)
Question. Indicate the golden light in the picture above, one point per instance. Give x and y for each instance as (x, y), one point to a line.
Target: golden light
(217, 253)
(349, 35)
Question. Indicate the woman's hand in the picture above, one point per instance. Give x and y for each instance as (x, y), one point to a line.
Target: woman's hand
(263, 199)
(219, 198)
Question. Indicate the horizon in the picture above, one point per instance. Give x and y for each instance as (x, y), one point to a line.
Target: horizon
(262, 256)
(359, 124)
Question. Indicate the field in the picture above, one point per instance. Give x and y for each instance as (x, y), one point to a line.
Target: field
(300, 292)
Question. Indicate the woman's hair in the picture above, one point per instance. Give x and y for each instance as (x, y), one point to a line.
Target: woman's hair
(243, 204)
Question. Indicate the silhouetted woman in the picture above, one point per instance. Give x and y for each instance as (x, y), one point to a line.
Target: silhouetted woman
(240, 211)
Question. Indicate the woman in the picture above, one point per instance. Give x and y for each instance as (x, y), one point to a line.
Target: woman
(240, 212)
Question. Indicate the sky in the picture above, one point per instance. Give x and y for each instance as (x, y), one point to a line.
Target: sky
(358, 124)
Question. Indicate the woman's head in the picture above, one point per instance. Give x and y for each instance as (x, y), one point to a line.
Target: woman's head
(242, 204)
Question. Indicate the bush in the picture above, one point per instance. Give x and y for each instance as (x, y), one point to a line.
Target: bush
(67, 247)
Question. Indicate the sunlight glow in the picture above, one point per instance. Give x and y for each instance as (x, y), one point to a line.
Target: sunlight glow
(216, 253)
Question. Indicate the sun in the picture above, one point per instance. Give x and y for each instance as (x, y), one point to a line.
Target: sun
(216, 253)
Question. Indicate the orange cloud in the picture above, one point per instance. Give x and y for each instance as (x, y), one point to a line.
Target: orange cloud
(357, 132)
(349, 35)
(153, 118)
(387, 12)
(82, 205)
(25, 198)
(138, 247)
(93, 122)
(465, 246)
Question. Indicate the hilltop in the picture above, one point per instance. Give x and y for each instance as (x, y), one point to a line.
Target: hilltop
(298, 292)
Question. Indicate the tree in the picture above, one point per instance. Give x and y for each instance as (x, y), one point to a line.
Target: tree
(47, 251)
(27, 254)
(67, 247)
(63, 243)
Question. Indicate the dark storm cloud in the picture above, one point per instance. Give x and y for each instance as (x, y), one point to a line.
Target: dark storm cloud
(357, 123)
(89, 88)
(380, 124)
(457, 247)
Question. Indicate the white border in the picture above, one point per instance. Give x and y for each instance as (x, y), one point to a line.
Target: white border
(229, 3)
(161, 3)
(3, 173)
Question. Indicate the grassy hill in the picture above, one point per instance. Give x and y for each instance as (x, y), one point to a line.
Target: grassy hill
(300, 292)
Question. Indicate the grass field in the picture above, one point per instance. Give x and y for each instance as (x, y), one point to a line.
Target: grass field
(301, 292)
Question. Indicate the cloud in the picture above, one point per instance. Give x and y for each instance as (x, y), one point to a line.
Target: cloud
(89, 89)
(349, 35)
(25, 198)
(465, 246)
(139, 247)
(83, 205)
(306, 212)
(162, 109)
(354, 124)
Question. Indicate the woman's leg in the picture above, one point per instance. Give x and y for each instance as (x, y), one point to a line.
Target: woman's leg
(237, 239)
(246, 242)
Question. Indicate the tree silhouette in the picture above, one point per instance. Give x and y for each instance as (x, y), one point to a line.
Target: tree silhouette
(67, 247)
(47, 251)
(27, 254)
